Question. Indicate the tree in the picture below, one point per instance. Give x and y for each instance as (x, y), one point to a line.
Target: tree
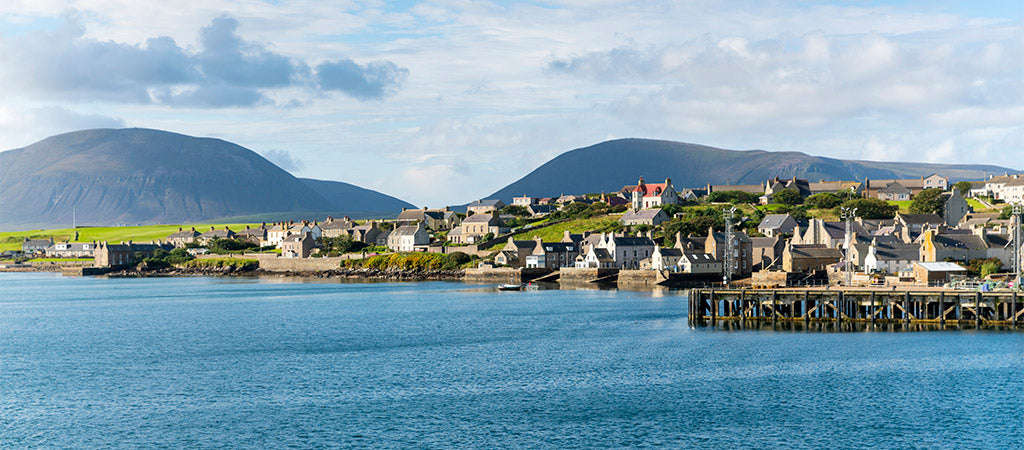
(671, 209)
(871, 208)
(825, 200)
(964, 187)
(516, 210)
(787, 197)
(733, 197)
(928, 201)
(1006, 212)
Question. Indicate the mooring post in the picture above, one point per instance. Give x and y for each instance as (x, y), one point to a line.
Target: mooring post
(906, 307)
(942, 309)
(713, 303)
(743, 303)
(1013, 310)
(977, 308)
(775, 306)
(874, 309)
(839, 309)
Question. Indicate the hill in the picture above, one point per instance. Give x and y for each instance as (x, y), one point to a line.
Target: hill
(608, 166)
(141, 176)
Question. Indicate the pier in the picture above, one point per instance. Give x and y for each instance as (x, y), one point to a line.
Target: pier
(838, 306)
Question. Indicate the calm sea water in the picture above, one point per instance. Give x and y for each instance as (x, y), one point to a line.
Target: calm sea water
(186, 362)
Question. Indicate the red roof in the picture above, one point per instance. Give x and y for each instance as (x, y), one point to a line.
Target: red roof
(650, 189)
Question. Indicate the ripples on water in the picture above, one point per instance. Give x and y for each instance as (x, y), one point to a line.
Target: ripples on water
(87, 362)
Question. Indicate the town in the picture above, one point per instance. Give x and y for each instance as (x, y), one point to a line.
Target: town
(782, 233)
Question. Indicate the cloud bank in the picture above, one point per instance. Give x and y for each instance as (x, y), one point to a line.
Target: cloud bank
(224, 71)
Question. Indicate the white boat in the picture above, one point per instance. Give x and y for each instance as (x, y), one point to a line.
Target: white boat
(510, 287)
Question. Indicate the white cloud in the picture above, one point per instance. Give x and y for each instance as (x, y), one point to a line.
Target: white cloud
(493, 89)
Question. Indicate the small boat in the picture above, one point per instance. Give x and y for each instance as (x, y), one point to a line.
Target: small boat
(510, 287)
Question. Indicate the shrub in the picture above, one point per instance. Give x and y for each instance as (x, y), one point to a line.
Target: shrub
(733, 197)
(411, 261)
(871, 208)
(825, 200)
(219, 263)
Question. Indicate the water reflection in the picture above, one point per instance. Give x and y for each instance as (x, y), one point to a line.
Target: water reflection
(845, 327)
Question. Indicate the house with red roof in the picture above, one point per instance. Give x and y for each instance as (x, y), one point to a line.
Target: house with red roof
(653, 195)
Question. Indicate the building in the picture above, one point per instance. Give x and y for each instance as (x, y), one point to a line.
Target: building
(910, 226)
(541, 210)
(595, 258)
(251, 235)
(71, 250)
(115, 255)
(485, 206)
(777, 224)
(891, 257)
(894, 191)
(829, 234)
(553, 255)
(773, 186)
(525, 201)
(938, 272)
(741, 247)
(476, 226)
(809, 258)
(435, 219)
(836, 187)
(366, 233)
(650, 217)
(954, 207)
(514, 253)
(666, 259)
(407, 238)
(333, 228)
(960, 245)
(182, 237)
(215, 233)
(627, 251)
(647, 196)
(29, 246)
(297, 245)
(702, 263)
(767, 252)
(907, 187)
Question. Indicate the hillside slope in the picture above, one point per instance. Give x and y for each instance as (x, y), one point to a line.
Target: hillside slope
(142, 176)
(608, 166)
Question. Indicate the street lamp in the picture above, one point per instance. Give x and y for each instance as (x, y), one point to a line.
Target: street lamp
(848, 214)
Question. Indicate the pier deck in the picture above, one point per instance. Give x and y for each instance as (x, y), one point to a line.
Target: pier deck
(855, 306)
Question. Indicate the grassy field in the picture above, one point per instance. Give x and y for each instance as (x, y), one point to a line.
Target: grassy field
(11, 240)
(554, 233)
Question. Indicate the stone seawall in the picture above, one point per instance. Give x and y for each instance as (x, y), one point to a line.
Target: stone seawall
(573, 275)
(494, 275)
(271, 262)
(641, 277)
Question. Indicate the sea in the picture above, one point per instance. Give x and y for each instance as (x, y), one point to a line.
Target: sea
(289, 362)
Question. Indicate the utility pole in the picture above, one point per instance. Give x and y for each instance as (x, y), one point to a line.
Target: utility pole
(727, 257)
(1016, 237)
(848, 214)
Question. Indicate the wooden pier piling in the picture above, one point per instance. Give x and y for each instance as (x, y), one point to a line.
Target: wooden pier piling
(852, 306)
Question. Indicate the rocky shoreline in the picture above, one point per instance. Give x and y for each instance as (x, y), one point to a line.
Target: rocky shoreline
(370, 274)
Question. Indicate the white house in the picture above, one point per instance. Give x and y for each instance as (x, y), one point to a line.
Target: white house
(407, 237)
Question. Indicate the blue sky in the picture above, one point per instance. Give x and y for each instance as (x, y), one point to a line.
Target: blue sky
(445, 101)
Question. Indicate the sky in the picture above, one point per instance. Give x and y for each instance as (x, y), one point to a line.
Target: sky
(445, 101)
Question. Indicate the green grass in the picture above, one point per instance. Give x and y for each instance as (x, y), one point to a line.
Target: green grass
(11, 240)
(903, 204)
(43, 260)
(554, 233)
(978, 207)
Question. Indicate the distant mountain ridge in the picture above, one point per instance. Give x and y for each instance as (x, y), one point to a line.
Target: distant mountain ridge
(607, 166)
(143, 176)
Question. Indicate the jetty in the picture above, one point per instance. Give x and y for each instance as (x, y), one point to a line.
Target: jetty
(851, 305)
